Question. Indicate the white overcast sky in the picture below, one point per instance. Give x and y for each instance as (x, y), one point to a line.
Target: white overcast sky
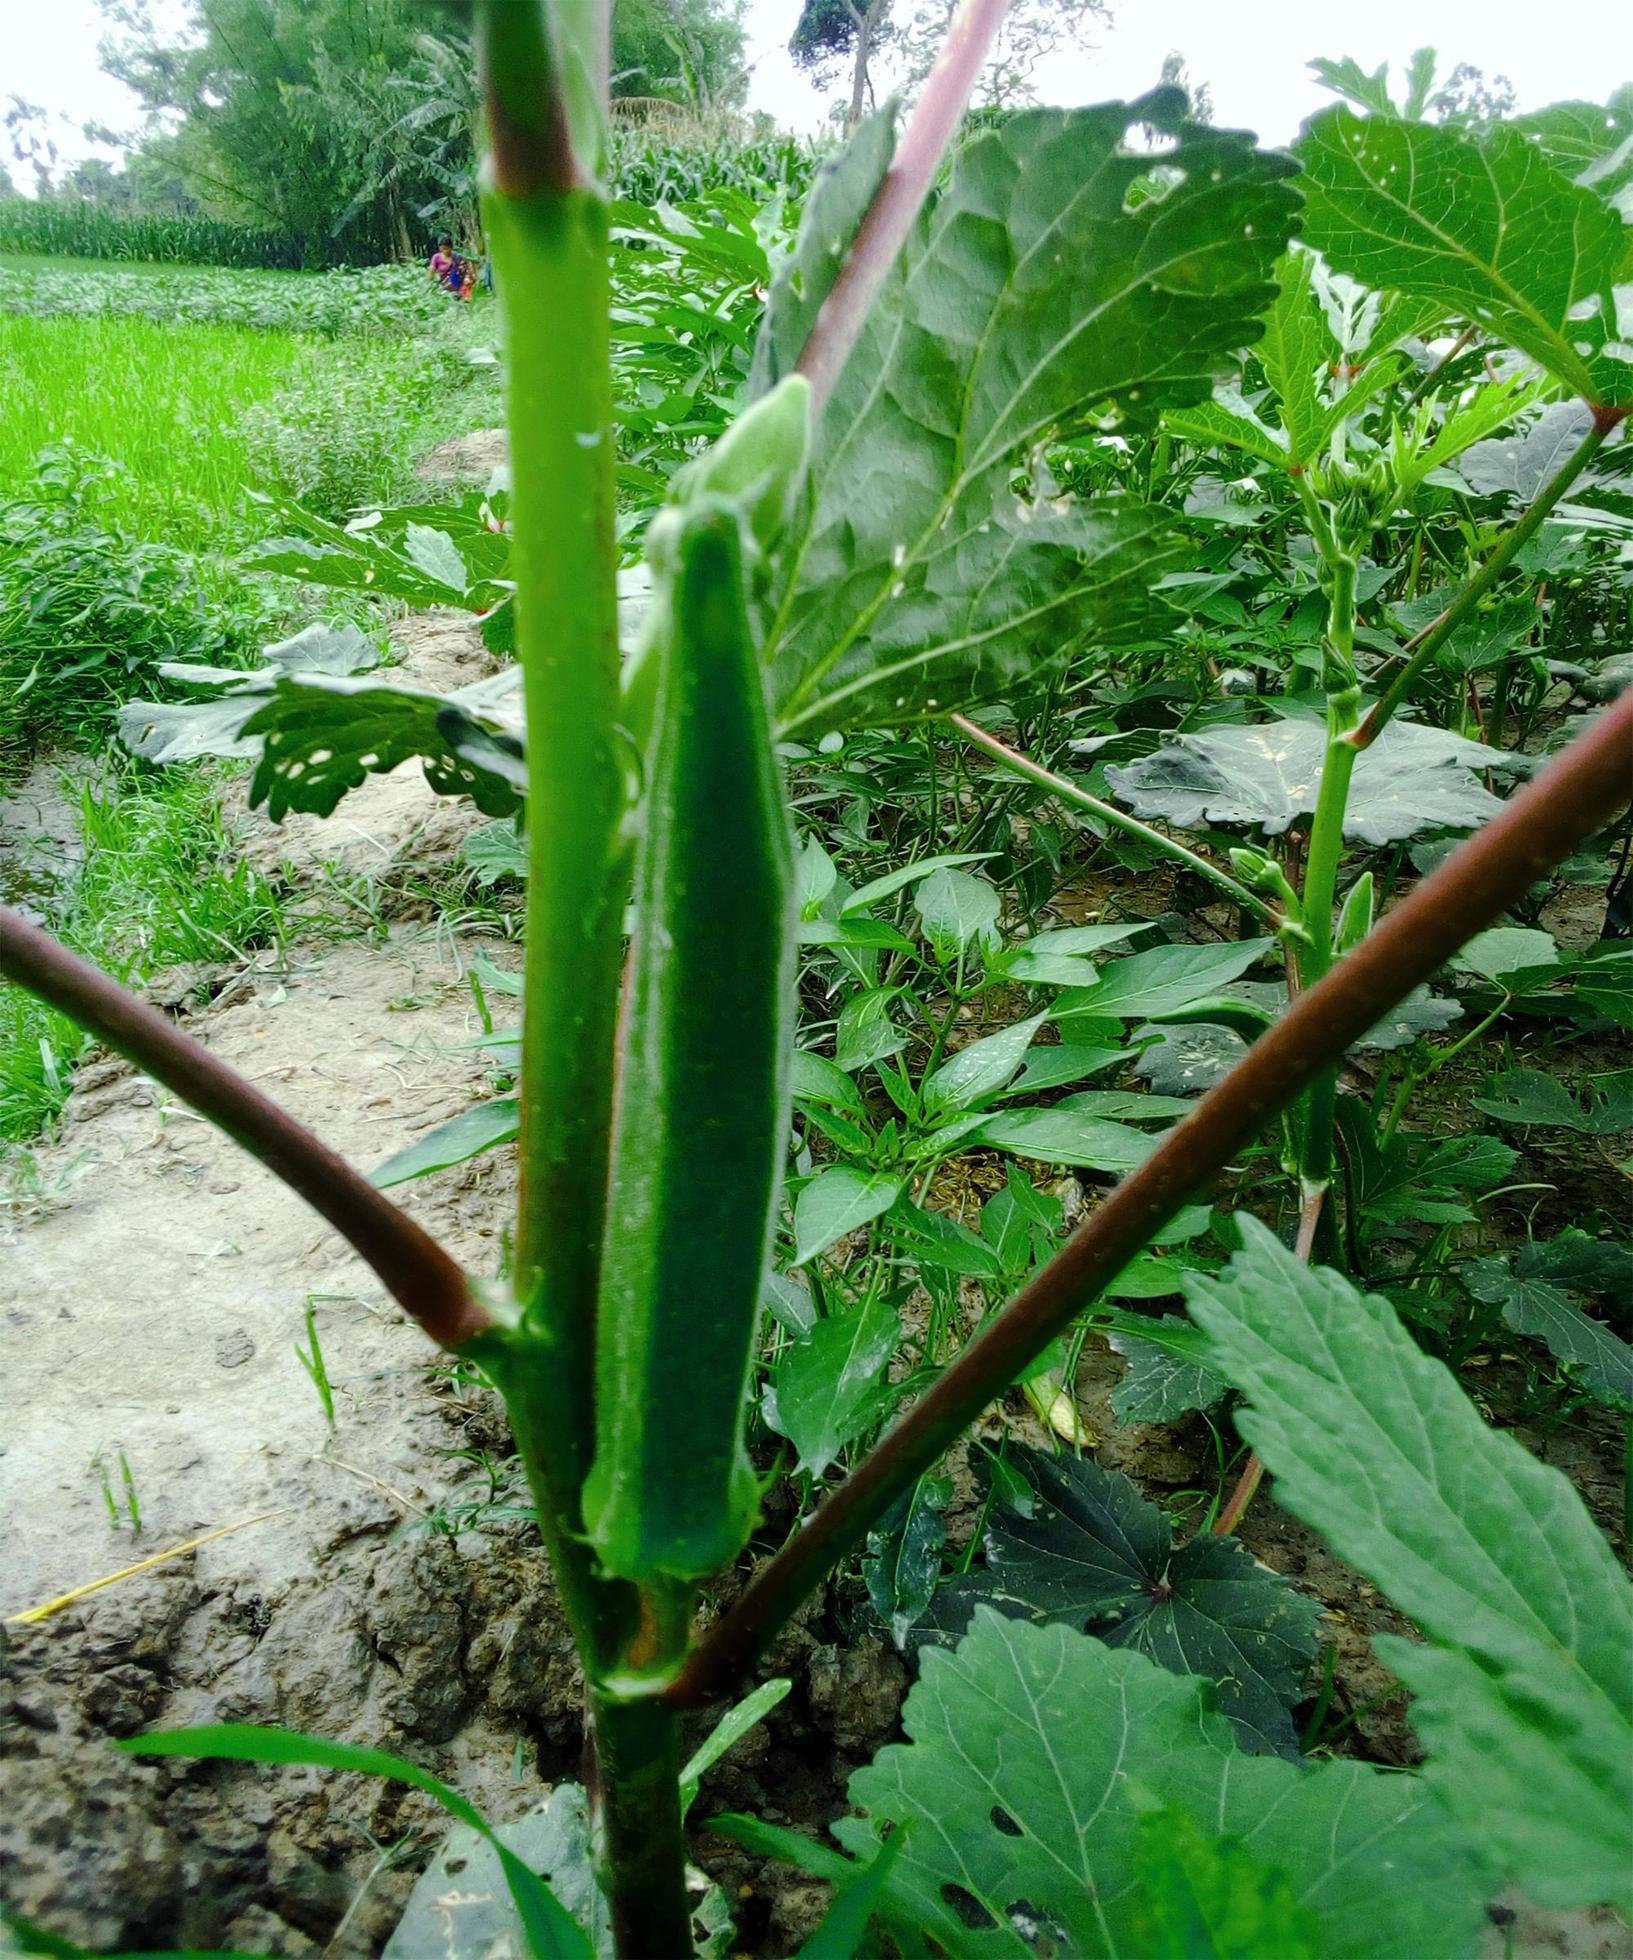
(1251, 53)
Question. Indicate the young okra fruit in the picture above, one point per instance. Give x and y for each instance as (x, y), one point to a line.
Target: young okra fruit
(703, 1059)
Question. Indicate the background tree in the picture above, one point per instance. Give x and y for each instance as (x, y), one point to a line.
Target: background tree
(351, 125)
(830, 31)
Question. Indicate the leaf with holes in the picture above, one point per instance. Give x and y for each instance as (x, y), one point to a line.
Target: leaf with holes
(1089, 1551)
(1521, 1681)
(1486, 225)
(1054, 277)
(1410, 780)
(322, 737)
(1034, 1752)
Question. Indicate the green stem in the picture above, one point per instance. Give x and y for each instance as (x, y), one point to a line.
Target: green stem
(1326, 848)
(1413, 1076)
(1434, 636)
(547, 226)
(1069, 792)
(642, 1843)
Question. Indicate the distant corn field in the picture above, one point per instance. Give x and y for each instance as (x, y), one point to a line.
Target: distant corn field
(86, 231)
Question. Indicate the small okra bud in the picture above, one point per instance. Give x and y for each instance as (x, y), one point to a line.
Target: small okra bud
(1355, 916)
(1260, 872)
(759, 462)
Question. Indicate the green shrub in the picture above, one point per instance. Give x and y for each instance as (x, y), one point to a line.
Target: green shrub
(89, 612)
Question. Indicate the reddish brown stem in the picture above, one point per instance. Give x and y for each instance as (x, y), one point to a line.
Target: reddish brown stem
(884, 230)
(1578, 794)
(1248, 1483)
(412, 1267)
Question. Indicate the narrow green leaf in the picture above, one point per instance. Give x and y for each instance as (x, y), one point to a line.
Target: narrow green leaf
(727, 1732)
(462, 1137)
(845, 1924)
(827, 1387)
(1206, 1898)
(837, 1201)
(552, 1932)
(982, 1068)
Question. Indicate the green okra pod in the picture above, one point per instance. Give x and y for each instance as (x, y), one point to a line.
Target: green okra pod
(702, 1109)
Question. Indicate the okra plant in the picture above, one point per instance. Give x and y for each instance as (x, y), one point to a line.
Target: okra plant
(854, 554)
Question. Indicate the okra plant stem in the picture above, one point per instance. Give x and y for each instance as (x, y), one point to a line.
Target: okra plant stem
(1082, 799)
(1321, 867)
(1434, 636)
(637, 1772)
(409, 1263)
(547, 225)
(1579, 793)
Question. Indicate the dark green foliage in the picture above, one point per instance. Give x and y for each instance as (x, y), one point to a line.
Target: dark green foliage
(1069, 1543)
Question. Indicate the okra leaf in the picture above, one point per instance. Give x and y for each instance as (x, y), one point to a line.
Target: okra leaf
(1531, 1097)
(805, 276)
(462, 1137)
(1537, 1308)
(1521, 1681)
(322, 737)
(1209, 1898)
(435, 553)
(1506, 950)
(1184, 1061)
(1410, 780)
(495, 851)
(1587, 141)
(1039, 288)
(1087, 1550)
(1579, 1263)
(1518, 466)
(827, 1387)
(1033, 1754)
(1486, 225)
(1299, 353)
